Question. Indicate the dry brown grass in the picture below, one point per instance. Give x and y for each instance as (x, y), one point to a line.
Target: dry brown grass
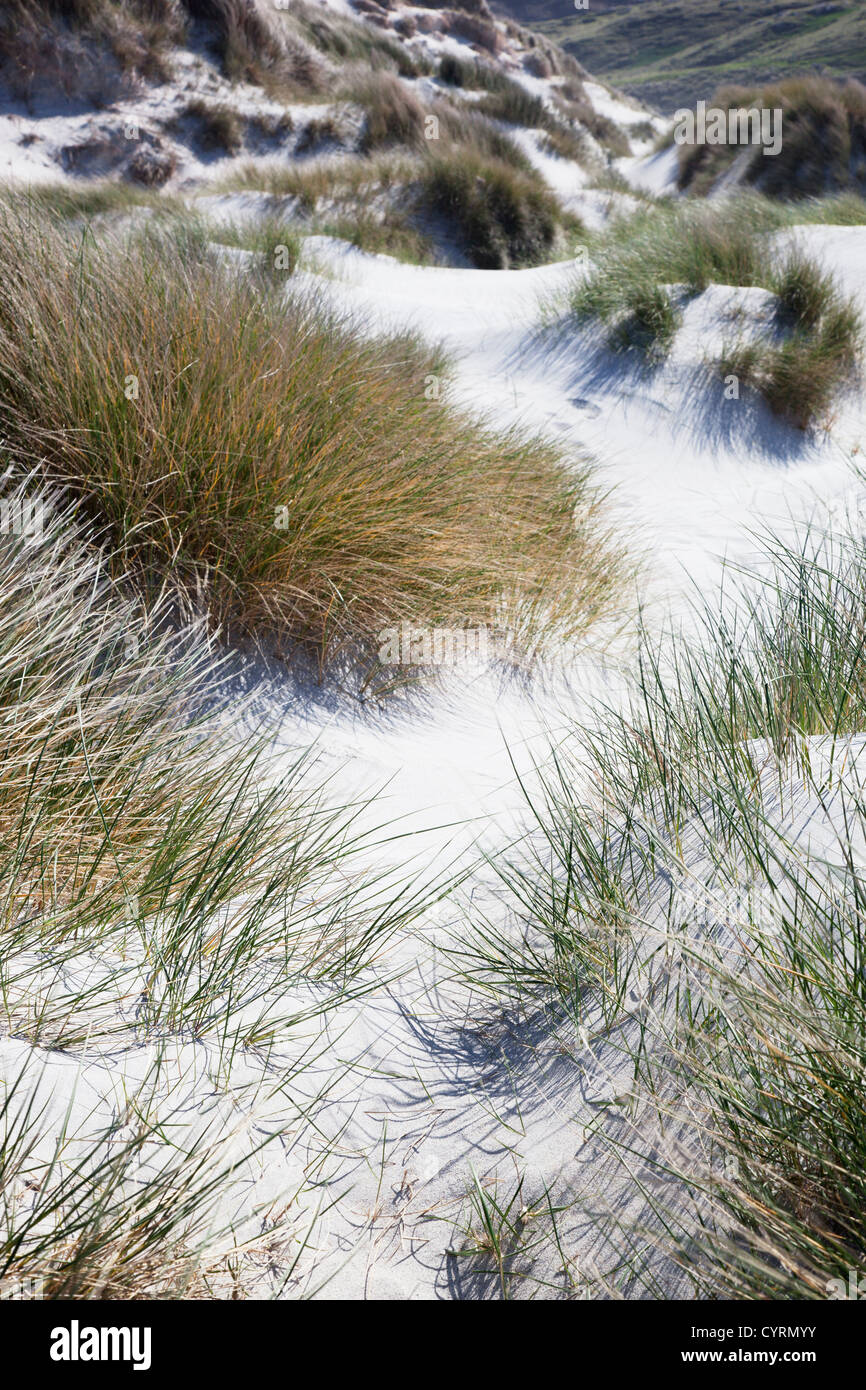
(337, 180)
(393, 115)
(254, 46)
(217, 126)
(823, 139)
(475, 29)
(91, 49)
(294, 475)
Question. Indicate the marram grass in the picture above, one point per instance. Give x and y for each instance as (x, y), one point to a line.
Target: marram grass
(638, 262)
(691, 917)
(310, 485)
(165, 888)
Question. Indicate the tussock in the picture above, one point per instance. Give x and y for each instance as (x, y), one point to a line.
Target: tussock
(800, 370)
(823, 147)
(312, 502)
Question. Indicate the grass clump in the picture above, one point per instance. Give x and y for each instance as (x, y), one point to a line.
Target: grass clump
(316, 500)
(472, 73)
(823, 140)
(800, 376)
(565, 144)
(218, 127)
(702, 912)
(350, 41)
(253, 46)
(475, 28)
(496, 1240)
(803, 289)
(650, 321)
(503, 216)
(318, 132)
(393, 115)
(817, 344)
(513, 104)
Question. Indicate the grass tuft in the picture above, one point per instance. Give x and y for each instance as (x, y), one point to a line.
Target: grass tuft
(313, 502)
(638, 259)
(503, 216)
(823, 140)
(217, 126)
(650, 321)
(698, 909)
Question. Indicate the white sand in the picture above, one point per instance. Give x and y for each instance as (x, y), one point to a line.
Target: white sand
(433, 1082)
(424, 1083)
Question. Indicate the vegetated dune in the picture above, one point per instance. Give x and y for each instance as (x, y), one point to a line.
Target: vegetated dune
(822, 147)
(447, 976)
(364, 117)
(672, 54)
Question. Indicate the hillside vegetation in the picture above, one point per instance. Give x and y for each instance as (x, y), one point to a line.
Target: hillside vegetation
(165, 95)
(671, 54)
(823, 146)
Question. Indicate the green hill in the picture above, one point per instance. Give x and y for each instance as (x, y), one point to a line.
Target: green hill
(672, 52)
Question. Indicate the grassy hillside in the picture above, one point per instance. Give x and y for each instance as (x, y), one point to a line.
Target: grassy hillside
(672, 53)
